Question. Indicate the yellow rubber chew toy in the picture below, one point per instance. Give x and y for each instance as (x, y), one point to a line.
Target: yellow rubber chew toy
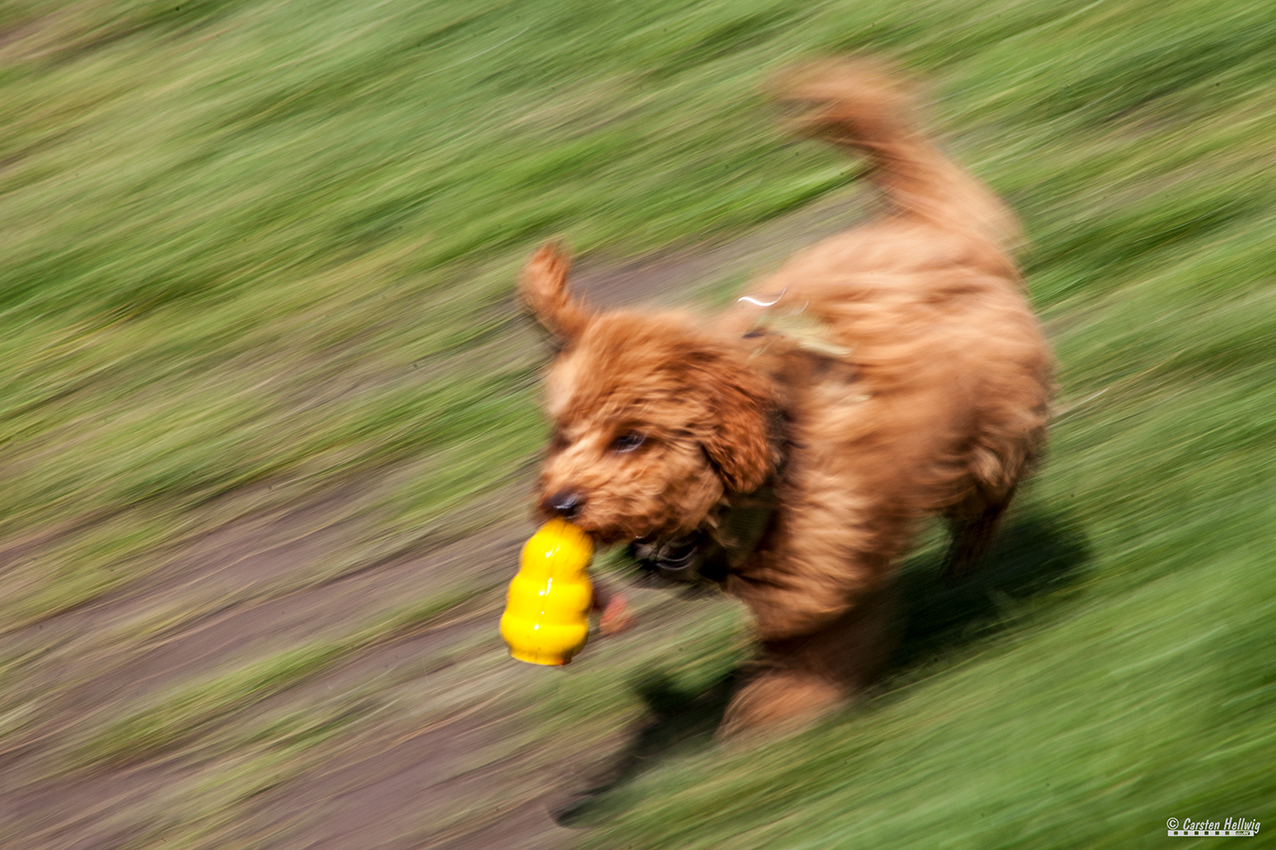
(546, 619)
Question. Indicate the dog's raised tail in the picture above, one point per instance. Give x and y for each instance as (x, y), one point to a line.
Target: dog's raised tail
(862, 105)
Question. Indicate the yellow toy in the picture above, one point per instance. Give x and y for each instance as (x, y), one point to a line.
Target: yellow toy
(546, 619)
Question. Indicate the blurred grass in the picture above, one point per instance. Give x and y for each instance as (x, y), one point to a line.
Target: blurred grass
(258, 251)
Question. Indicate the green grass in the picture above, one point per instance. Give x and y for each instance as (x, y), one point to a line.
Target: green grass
(259, 252)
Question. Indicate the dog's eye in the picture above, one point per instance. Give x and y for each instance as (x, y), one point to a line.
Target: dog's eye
(628, 442)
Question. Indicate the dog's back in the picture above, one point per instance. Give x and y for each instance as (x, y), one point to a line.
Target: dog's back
(954, 376)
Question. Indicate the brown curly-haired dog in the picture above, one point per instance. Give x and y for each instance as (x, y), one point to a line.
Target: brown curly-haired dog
(790, 447)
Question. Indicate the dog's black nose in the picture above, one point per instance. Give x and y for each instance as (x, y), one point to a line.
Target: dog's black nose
(566, 503)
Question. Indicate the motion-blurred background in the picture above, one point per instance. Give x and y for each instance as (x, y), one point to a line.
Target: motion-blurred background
(268, 420)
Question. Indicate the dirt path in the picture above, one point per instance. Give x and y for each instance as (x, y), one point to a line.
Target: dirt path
(427, 733)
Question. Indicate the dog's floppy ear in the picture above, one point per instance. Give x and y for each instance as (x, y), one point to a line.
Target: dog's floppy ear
(740, 447)
(544, 288)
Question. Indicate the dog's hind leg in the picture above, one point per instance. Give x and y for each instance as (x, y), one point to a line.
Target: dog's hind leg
(973, 524)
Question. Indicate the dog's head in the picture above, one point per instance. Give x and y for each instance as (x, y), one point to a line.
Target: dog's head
(655, 421)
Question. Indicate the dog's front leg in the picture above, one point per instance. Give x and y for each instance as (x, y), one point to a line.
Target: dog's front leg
(799, 678)
(822, 614)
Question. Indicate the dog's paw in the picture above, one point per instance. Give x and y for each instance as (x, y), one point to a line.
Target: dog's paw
(617, 616)
(779, 702)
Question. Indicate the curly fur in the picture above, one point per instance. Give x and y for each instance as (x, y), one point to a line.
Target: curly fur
(918, 383)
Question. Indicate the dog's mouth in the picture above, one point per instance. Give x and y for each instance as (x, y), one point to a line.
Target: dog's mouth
(691, 558)
(705, 556)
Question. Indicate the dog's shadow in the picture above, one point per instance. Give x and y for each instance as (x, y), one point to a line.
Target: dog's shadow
(1035, 554)
(677, 721)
